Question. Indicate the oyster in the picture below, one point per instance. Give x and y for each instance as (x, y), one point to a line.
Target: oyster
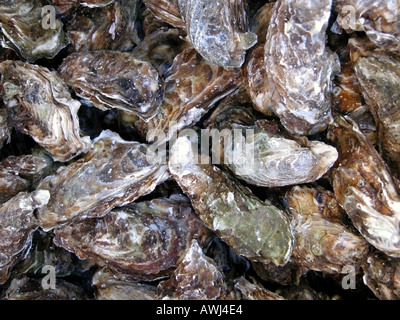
(382, 276)
(110, 27)
(300, 66)
(167, 11)
(114, 80)
(17, 225)
(364, 187)
(218, 30)
(192, 87)
(378, 18)
(114, 173)
(144, 240)
(247, 290)
(19, 174)
(264, 158)
(5, 132)
(379, 77)
(322, 241)
(30, 30)
(196, 278)
(41, 106)
(111, 287)
(253, 228)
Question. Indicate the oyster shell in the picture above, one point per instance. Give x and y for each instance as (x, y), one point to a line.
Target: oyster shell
(192, 87)
(144, 240)
(5, 130)
(247, 290)
(253, 228)
(382, 276)
(25, 28)
(300, 81)
(322, 241)
(41, 106)
(167, 11)
(364, 187)
(19, 174)
(379, 77)
(17, 225)
(114, 173)
(218, 30)
(196, 278)
(114, 80)
(276, 159)
(111, 287)
(378, 18)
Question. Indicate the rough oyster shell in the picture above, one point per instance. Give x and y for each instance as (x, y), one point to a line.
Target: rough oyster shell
(247, 290)
(114, 173)
(218, 30)
(300, 66)
(17, 225)
(167, 11)
(254, 229)
(24, 29)
(196, 278)
(41, 106)
(114, 80)
(144, 240)
(364, 187)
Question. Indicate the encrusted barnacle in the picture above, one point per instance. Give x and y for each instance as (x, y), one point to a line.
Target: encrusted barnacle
(111, 286)
(111, 79)
(25, 288)
(30, 32)
(114, 173)
(17, 225)
(167, 11)
(382, 276)
(218, 30)
(379, 76)
(378, 18)
(19, 174)
(254, 229)
(104, 28)
(41, 106)
(246, 290)
(145, 240)
(364, 187)
(322, 241)
(300, 66)
(264, 158)
(192, 87)
(196, 278)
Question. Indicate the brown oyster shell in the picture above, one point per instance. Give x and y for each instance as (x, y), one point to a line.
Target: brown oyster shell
(379, 76)
(364, 187)
(114, 173)
(196, 278)
(218, 30)
(114, 80)
(22, 29)
(5, 130)
(192, 87)
(17, 225)
(300, 66)
(114, 287)
(322, 241)
(144, 240)
(247, 290)
(378, 18)
(253, 228)
(41, 106)
(167, 11)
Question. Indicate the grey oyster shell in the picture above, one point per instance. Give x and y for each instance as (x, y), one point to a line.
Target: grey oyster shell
(300, 66)
(114, 173)
(253, 228)
(111, 79)
(17, 225)
(41, 106)
(30, 30)
(218, 30)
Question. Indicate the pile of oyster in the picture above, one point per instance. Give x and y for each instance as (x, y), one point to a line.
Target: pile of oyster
(198, 149)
